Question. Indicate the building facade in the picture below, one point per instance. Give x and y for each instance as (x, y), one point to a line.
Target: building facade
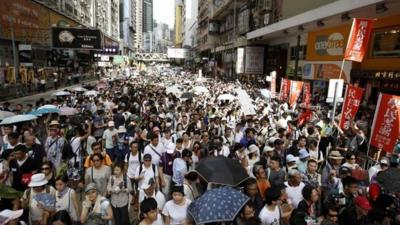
(139, 25)
(128, 26)
(178, 23)
(147, 16)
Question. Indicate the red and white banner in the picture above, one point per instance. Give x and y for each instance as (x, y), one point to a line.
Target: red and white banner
(351, 104)
(386, 125)
(307, 95)
(285, 89)
(357, 44)
(295, 91)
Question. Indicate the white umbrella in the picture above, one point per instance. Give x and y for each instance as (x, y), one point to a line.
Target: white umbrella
(18, 118)
(48, 107)
(174, 90)
(225, 97)
(91, 93)
(200, 89)
(5, 114)
(62, 93)
(80, 89)
(68, 111)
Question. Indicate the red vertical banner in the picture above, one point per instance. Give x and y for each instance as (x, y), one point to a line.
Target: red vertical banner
(386, 125)
(285, 89)
(307, 95)
(295, 91)
(357, 44)
(351, 104)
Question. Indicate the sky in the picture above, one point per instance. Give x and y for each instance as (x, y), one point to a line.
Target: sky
(163, 11)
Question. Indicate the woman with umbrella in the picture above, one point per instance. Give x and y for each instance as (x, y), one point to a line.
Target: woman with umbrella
(175, 210)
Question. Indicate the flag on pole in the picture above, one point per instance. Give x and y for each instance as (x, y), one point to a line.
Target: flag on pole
(351, 103)
(295, 90)
(386, 125)
(357, 44)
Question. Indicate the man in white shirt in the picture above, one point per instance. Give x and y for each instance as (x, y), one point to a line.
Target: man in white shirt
(146, 171)
(150, 191)
(109, 139)
(294, 187)
(154, 148)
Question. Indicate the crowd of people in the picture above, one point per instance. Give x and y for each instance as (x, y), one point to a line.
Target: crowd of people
(129, 156)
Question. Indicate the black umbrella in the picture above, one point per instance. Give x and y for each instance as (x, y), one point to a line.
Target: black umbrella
(188, 95)
(390, 180)
(221, 170)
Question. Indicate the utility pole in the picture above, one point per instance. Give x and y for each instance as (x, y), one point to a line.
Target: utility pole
(296, 63)
(15, 53)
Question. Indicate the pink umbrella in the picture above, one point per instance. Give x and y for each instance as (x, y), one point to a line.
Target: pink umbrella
(68, 111)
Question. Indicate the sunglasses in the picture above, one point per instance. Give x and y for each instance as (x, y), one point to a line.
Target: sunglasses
(45, 168)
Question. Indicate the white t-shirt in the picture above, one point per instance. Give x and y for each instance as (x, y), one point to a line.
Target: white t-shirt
(176, 213)
(150, 149)
(133, 164)
(159, 197)
(90, 140)
(269, 217)
(76, 148)
(107, 136)
(294, 193)
(148, 173)
(314, 155)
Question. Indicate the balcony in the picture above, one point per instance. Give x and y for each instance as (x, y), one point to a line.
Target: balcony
(222, 8)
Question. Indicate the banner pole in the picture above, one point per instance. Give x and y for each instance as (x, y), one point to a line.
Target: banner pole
(341, 70)
(373, 125)
(334, 104)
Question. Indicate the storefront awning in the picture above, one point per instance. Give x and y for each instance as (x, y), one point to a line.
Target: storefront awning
(322, 12)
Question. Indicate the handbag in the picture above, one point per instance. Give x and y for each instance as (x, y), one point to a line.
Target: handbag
(359, 174)
(26, 178)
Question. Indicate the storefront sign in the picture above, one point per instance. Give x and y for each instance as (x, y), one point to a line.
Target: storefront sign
(385, 128)
(376, 75)
(350, 106)
(29, 20)
(295, 90)
(285, 89)
(327, 44)
(254, 60)
(76, 38)
(325, 70)
(307, 95)
(358, 41)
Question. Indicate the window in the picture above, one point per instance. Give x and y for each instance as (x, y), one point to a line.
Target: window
(302, 52)
(386, 42)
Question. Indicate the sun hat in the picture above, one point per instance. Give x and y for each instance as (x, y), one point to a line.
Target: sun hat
(268, 148)
(121, 129)
(335, 155)
(38, 180)
(8, 215)
(303, 154)
(89, 187)
(253, 148)
(54, 123)
(290, 158)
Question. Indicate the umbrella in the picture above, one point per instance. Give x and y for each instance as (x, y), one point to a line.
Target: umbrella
(225, 97)
(61, 93)
(91, 93)
(173, 89)
(5, 114)
(390, 180)
(221, 170)
(44, 111)
(217, 205)
(68, 111)
(188, 95)
(80, 89)
(48, 107)
(18, 118)
(265, 93)
(200, 89)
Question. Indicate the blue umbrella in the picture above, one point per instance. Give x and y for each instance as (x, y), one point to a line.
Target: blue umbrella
(18, 118)
(217, 205)
(42, 111)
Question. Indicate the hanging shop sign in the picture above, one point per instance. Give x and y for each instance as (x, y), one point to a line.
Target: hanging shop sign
(376, 75)
(254, 60)
(76, 38)
(325, 70)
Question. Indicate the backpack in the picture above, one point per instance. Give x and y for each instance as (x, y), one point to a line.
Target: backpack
(152, 166)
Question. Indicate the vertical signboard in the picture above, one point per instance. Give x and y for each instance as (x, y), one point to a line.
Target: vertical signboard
(254, 60)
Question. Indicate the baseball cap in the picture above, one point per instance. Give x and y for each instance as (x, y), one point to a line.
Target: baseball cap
(290, 158)
(362, 202)
(147, 157)
(89, 187)
(384, 161)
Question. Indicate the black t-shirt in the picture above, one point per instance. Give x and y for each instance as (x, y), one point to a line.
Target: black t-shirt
(17, 171)
(37, 154)
(349, 216)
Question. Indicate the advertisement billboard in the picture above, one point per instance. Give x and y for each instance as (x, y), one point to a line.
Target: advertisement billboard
(177, 53)
(76, 38)
(254, 60)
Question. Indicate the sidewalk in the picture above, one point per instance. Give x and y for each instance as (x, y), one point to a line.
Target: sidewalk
(33, 96)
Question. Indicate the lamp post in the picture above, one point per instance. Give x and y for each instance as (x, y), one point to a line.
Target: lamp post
(15, 56)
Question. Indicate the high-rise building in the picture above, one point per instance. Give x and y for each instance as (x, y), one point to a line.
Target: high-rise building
(147, 16)
(189, 22)
(128, 26)
(139, 25)
(178, 23)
